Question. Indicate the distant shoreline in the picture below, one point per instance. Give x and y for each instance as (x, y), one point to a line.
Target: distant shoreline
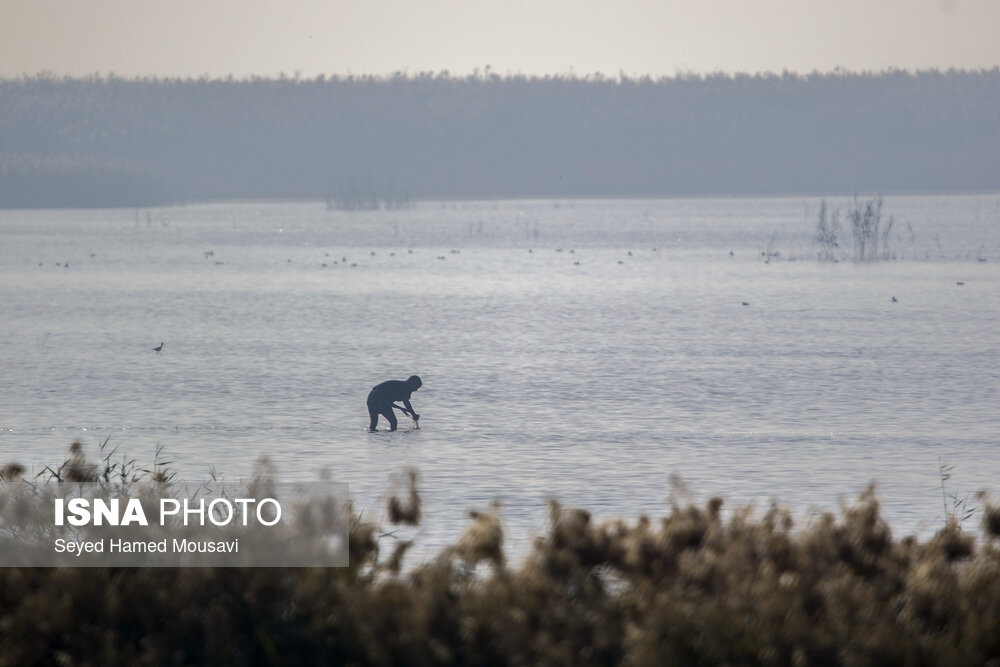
(371, 142)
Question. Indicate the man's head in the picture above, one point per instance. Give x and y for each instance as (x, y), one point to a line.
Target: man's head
(414, 382)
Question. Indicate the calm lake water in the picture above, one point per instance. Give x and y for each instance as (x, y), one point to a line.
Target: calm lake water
(582, 350)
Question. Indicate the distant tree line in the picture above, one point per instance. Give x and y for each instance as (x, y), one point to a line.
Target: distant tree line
(106, 140)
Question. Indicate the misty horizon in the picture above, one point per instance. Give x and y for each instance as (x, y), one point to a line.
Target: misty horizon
(367, 141)
(488, 72)
(265, 37)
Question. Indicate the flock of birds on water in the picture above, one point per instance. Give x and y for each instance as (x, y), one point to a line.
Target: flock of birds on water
(343, 260)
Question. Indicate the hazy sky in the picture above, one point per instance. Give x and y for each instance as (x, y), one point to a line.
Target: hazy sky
(658, 37)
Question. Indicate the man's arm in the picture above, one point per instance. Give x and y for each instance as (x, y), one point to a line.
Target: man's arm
(409, 408)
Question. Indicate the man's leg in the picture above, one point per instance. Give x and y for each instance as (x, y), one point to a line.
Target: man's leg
(373, 414)
(390, 417)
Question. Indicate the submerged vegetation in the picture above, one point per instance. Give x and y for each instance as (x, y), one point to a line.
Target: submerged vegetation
(869, 234)
(696, 586)
(365, 193)
(871, 237)
(828, 233)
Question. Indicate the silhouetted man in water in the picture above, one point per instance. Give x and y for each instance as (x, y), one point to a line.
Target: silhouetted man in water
(382, 396)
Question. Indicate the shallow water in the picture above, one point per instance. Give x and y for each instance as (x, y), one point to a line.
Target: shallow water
(583, 350)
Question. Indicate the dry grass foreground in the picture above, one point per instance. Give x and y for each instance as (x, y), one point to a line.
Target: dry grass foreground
(694, 588)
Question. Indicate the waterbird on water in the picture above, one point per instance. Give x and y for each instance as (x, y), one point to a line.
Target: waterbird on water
(158, 348)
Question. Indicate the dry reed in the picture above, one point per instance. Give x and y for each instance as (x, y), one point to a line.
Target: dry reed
(695, 587)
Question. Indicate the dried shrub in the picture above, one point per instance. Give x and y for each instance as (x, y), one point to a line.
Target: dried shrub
(695, 586)
(406, 511)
